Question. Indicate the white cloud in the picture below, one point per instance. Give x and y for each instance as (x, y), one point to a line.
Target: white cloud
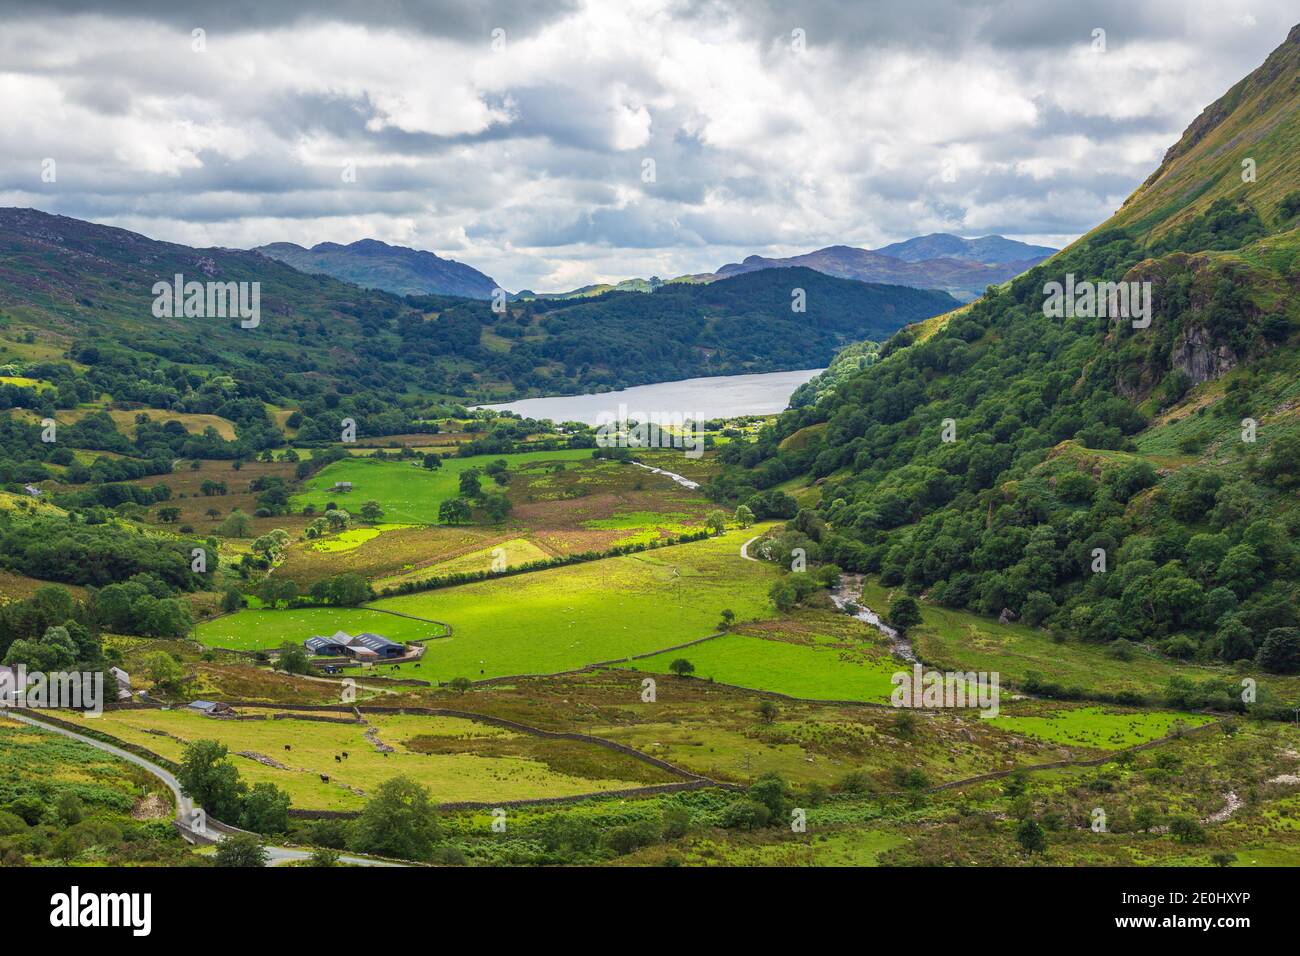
(526, 163)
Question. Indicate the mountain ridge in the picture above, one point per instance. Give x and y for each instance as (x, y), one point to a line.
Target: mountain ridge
(374, 264)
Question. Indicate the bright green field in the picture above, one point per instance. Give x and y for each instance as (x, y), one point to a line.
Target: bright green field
(252, 630)
(352, 538)
(407, 492)
(815, 671)
(565, 618)
(1105, 728)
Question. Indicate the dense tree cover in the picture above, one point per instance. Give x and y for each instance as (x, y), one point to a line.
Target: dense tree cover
(1199, 562)
(55, 549)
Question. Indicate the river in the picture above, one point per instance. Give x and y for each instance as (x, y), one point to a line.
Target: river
(719, 396)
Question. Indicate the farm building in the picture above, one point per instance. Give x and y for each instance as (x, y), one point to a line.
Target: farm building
(363, 647)
(32, 490)
(123, 682)
(342, 486)
(208, 707)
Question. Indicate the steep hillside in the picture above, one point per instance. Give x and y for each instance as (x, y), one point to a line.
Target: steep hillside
(1108, 478)
(372, 264)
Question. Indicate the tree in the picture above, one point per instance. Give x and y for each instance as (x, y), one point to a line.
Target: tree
(453, 511)
(398, 821)
(783, 594)
(293, 659)
(163, 670)
(169, 514)
(744, 517)
(460, 684)
(241, 850)
(1186, 829)
(469, 483)
(209, 779)
(728, 617)
(682, 667)
(904, 613)
(371, 512)
(768, 711)
(265, 809)
(1030, 836)
(232, 600)
(716, 521)
(1279, 654)
(54, 651)
(237, 525)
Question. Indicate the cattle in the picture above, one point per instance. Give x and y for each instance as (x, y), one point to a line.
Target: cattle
(324, 778)
(287, 747)
(345, 755)
(338, 759)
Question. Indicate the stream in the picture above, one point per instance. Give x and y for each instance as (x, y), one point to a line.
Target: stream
(849, 592)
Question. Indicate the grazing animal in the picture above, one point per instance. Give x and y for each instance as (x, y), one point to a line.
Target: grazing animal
(287, 747)
(338, 759)
(324, 778)
(345, 755)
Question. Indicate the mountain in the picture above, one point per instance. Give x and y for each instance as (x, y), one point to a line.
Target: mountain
(372, 264)
(963, 279)
(81, 293)
(986, 249)
(1126, 480)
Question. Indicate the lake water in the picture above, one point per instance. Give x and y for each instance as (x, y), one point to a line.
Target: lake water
(719, 396)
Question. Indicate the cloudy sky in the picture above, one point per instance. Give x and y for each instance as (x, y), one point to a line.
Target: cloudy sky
(520, 137)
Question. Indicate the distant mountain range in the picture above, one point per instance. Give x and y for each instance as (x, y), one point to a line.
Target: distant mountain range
(961, 267)
(372, 264)
(964, 268)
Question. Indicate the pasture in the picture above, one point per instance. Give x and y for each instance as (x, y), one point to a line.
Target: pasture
(406, 491)
(815, 663)
(566, 618)
(1105, 728)
(457, 759)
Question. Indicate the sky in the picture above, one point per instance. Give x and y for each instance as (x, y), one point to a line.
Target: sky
(556, 143)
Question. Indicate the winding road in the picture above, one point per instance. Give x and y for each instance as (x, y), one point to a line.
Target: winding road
(184, 806)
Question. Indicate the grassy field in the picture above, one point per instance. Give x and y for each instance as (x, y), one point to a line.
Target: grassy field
(1105, 728)
(458, 760)
(407, 492)
(251, 630)
(565, 618)
(960, 640)
(823, 657)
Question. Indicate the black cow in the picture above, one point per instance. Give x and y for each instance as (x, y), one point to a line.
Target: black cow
(324, 778)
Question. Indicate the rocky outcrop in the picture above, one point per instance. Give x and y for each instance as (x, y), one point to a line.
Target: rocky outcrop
(1200, 360)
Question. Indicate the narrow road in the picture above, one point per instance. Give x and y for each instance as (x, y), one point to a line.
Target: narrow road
(184, 806)
(744, 548)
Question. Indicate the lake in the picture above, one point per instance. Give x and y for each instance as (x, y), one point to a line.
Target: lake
(718, 396)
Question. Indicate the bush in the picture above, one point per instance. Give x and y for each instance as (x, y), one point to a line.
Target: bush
(746, 814)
